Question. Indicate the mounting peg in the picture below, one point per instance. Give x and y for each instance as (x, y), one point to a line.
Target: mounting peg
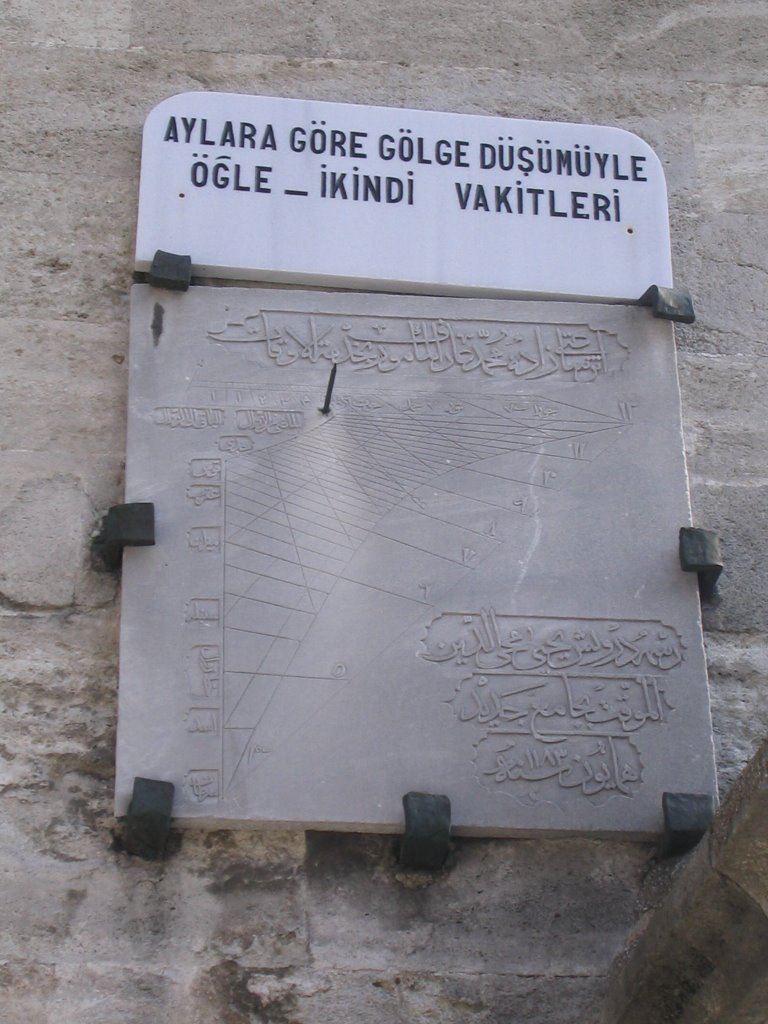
(170, 270)
(700, 553)
(687, 816)
(149, 819)
(669, 303)
(131, 525)
(425, 843)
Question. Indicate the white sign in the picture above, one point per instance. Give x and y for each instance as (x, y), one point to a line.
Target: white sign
(262, 188)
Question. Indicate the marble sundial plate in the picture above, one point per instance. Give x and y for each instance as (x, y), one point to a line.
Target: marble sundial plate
(463, 579)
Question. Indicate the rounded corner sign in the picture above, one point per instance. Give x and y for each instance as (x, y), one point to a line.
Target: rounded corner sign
(384, 198)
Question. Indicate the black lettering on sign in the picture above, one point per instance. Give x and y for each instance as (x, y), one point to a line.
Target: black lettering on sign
(539, 202)
(261, 181)
(240, 134)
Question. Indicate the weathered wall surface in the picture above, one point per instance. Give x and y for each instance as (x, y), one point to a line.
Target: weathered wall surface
(240, 928)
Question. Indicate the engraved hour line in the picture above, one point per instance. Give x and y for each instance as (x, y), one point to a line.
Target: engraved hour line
(240, 699)
(376, 495)
(440, 447)
(343, 685)
(256, 495)
(339, 537)
(376, 441)
(275, 505)
(487, 430)
(560, 416)
(294, 502)
(471, 399)
(365, 472)
(516, 444)
(334, 585)
(339, 519)
(323, 581)
(242, 480)
(271, 604)
(426, 551)
(443, 489)
(266, 550)
(284, 674)
(374, 655)
(296, 546)
(254, 475)
(275, 522)
(253, 730)
(566, 434)
(450, 443)
(290, 610)
(342, 474)
(263, 574)
(288, 559)
(303, 573)
(354, 463)
(458, 526)
(293, 675)
(388, 430)
(315, 513)
(371, 485)
(513, 479)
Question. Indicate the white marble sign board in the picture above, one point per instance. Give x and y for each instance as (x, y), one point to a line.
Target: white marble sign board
(463, 580)
(379, 198)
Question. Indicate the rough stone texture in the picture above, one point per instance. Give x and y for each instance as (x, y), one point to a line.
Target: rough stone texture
(249, 928)
(701, 959)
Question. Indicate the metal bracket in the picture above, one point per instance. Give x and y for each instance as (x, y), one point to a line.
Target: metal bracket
(700, 553)
(169, 270)
(669, 303)
(149, 819)
(687, 816)
(426, 840)
(131, 525)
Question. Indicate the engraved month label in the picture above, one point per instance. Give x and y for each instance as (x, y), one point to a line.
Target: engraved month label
(459, 578)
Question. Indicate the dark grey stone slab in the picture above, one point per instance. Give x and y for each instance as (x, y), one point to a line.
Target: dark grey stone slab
(463, 580)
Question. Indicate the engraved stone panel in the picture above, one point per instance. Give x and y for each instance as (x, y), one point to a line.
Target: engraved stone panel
(463, 579)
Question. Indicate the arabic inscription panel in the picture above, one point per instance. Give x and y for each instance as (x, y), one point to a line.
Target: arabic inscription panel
(462, 579)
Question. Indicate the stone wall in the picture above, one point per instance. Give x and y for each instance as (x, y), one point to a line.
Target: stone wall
(283, 927)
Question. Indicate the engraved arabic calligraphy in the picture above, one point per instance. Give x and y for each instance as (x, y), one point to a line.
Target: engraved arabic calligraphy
(559, 702)
(568, 352)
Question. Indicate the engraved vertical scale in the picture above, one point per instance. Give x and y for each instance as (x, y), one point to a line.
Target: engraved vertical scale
(429, 587)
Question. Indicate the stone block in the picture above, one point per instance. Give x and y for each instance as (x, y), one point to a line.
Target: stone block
(68, 23)
(552, 908)
(738, 514)
(724, 131)
(48, 511)
(68, 257)
(740, 834)
(363, 33)
(738, 668)
(702, 954)
(725, 429)
(78, 372)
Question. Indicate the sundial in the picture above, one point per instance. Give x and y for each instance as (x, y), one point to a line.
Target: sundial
(462, 578)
